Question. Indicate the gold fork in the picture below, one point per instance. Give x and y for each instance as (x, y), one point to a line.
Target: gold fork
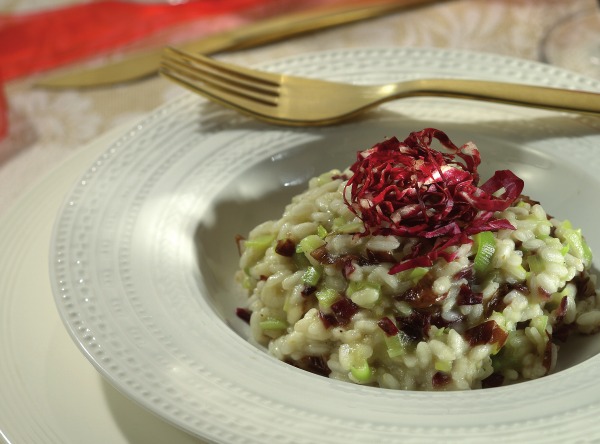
(298, 101)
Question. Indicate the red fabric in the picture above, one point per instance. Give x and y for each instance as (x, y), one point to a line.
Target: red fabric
(3, 116)
(38, 41)
(42, 40)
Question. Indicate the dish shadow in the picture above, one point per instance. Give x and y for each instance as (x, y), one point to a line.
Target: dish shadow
(140, 426)
(528, 128)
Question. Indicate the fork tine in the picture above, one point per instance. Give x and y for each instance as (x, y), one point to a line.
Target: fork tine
(216, 82)
(202, 80)
(250, 78)
(242, 103)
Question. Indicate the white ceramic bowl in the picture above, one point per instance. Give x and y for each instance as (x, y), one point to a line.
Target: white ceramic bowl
(143, 257)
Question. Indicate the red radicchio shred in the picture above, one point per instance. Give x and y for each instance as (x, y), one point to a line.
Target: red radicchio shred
(388, 326)
(543, 293)
(328, 319)
(422, 294)
(436, 319)
(488, 332)
(339, 176)
(496, 302)
(409, 189)
(561, 310)
(465, 273)
(314, 364)
(308, 290)
(466, 296)
(238, 242)
(244, 314)
(319, 365)
(343, 310)
(285, 247)
(416, 325)
(582, 283)
(494, 380)
(522, 325)
(341, 313)
(348, 268)
(378, 257)
(345, 261)
(523, 288)
(440, 379)
(561, 332)
(323, 256)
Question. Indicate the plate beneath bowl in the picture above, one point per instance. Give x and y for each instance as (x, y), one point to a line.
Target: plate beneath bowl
(143, 256)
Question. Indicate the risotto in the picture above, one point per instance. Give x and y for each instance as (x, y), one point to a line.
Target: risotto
(403, 272)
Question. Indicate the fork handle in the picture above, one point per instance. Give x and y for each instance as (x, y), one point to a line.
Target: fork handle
(502, 92)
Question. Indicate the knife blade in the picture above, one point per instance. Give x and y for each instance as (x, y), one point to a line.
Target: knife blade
(145, 64)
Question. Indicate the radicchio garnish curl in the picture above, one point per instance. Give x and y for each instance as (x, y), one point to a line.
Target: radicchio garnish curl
(409, 189)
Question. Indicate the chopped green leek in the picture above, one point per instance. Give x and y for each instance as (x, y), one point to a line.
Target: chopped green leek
(536, 265)
(321, 231)
(355, 286)
(260, 243)
(309, 243)
(396, 345)
(518, 271)
(441, 331)
(247, 282)
(300, 260)
(587, 251)
(341, 225)
(539, 323)
(511, 356)
(443, 366)
(273, 324)
(338, 222)
(485, 247)
(326, 297)
(312, 275)
(362, 373)
(578, 247)
(417, 273)
(546, 224)
(564, 250)
(573, 239)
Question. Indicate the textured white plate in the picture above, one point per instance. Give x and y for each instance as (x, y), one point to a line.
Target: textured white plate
(143, 256)
(49, 392)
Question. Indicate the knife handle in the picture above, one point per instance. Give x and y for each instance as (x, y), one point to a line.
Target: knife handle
(291, 25)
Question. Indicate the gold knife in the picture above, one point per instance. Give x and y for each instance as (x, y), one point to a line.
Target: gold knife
(145, 64)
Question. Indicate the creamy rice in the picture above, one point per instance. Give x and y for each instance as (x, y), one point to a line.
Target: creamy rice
(321, 296)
